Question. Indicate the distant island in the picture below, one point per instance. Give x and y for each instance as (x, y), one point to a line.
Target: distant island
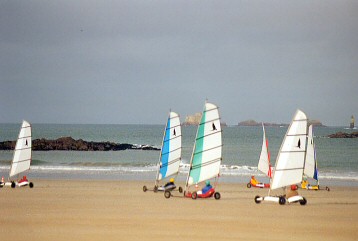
(254, 123)
(194, 120)
(344, 135)
(70, 144)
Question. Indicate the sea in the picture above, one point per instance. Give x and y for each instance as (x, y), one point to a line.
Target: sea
(337, 158)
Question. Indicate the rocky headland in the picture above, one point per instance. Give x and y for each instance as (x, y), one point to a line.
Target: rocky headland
(194, 120)
(70, 144)
(344, 135)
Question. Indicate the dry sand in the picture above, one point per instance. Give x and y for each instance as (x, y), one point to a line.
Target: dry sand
(120, 210)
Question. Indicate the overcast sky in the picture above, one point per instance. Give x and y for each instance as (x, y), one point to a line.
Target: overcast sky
(125, 62)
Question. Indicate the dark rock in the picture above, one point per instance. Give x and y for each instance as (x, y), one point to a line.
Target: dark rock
(70, 144)
(344, 135)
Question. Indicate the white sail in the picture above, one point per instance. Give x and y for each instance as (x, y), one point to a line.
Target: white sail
(264, 162)
(207, 151)
(170, 155)
(22, 154)
(311, 162)
(291, 157)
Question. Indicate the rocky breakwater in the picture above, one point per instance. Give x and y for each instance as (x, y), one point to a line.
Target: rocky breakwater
(70, 144)
(344, 135)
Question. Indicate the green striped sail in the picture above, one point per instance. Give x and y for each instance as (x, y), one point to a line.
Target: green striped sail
(207, 151)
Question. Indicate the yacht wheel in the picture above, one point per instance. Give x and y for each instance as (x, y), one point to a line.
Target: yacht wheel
(282, 200)
(167, 194)
(257, 199)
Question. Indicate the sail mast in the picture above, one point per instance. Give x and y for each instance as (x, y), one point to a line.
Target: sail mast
(192, 154)
(161, 152)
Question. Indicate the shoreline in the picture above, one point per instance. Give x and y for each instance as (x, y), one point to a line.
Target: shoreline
(150, 177)
(120, 210)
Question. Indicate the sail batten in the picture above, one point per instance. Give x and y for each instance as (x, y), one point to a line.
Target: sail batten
(171, 162)
(207, 150)
(166, 153)
(206, 164)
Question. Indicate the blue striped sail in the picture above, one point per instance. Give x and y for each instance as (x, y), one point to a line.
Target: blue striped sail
(170, 155)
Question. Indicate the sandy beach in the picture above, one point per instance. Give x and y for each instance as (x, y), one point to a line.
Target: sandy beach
(120, 210)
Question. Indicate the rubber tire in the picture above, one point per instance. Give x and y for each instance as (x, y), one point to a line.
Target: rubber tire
(282, 200)
(194, 195)
(13, 185)
(145, 188)
(303, 202)
(31, 185)
(256, 199)
(167, 194)
(155, 189)
(248, 185)
(180, 190)
(217, 195)
(327, 188)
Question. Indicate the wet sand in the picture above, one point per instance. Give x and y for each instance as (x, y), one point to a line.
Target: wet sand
(120, 210)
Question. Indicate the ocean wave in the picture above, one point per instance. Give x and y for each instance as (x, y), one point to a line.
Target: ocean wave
(34, 162)
(105, 164)
(226, 170)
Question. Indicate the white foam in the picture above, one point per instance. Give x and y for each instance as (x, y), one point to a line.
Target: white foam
(226, 170)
